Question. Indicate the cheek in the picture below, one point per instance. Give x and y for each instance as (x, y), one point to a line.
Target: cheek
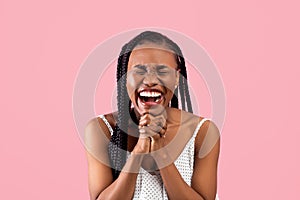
(170, 82)
(131, 85)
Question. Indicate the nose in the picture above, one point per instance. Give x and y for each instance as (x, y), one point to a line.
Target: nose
(150, 79)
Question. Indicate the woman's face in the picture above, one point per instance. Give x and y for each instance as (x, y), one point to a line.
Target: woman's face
(151, 78)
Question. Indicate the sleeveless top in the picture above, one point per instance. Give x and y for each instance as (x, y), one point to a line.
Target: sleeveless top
(151, 187)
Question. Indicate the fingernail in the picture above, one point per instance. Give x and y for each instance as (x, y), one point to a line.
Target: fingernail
(142, 130)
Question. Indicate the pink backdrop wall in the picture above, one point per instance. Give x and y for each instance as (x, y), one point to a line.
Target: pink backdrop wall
(255, 45)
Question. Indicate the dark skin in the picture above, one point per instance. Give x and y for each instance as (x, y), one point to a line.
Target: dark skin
(158, 140)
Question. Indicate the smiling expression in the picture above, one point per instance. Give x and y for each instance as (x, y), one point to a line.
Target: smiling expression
(151, 78)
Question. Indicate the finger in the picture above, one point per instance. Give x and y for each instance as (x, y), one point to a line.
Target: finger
(155, 123)
(154, 128)
(162, 133)
(158, 130)
(142, 130)
(152, 118)
(144, 122)
(160, 121)
(147, 131)
(146, 116)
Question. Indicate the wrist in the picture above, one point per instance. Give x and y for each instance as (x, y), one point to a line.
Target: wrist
(133, 163)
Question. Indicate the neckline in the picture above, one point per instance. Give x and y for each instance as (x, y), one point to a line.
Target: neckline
(185, 147)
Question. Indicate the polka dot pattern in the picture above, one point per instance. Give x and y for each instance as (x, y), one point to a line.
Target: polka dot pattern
(151, 187)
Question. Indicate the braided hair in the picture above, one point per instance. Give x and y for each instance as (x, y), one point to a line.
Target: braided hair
(117, 147)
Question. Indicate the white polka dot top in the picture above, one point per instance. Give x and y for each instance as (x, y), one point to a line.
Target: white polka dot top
(151, 187)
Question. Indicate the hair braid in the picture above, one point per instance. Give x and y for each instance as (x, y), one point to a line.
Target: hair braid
(118, 142)
(185, 84)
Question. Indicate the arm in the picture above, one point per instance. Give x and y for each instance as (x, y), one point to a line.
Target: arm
(122, 188)
(101, 184)
(204, 179)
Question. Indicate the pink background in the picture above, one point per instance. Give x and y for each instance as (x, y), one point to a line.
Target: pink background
(255, 45)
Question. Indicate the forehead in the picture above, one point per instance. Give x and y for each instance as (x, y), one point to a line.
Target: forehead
(152, 54)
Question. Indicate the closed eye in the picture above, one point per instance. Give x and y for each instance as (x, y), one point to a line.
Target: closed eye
(140, 69)
(162, 69)
(163, 72)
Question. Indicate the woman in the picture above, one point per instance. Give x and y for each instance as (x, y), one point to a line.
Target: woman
(149, 148)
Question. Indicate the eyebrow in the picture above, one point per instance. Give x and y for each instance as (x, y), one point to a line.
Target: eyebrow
(140, 66)
(157, 66)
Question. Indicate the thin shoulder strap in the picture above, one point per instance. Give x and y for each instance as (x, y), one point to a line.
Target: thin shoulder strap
(107, 124)
(199, 126)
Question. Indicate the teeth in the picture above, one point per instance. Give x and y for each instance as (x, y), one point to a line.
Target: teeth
(150, 94)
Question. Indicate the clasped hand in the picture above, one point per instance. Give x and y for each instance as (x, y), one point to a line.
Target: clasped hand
(152, 131)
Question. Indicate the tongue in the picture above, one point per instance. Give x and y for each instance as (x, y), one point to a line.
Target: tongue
(150, 99)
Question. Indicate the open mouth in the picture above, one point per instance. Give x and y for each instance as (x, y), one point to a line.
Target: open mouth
(150, 97)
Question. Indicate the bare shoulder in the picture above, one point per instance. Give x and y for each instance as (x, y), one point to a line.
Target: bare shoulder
(96, 127)
(208, 135)
(96, 138)
(111, 118)
(207, 139)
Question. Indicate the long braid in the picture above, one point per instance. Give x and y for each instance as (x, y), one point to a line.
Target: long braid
(118, 143)
(181, 91)
(185, 84)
